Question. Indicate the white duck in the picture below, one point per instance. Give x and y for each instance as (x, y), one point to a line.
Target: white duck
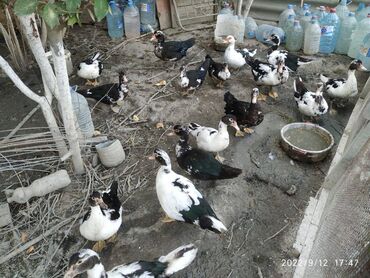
(104, 218)
(213, 140)
(180, 199)
(340, 87)
(90, 69)
(311, 104)
(235, 58)
(88, 261)
(269, 75)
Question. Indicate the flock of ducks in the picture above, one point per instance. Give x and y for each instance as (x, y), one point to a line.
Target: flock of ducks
(177, 195)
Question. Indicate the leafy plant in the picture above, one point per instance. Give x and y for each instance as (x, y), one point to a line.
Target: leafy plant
(66, 12)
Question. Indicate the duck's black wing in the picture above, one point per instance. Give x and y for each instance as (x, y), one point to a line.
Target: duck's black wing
(235, 107)
(176, 49)
(202, 165)
(110, 198)
(107, 93)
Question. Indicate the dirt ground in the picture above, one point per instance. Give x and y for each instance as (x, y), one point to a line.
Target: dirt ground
(261, 217)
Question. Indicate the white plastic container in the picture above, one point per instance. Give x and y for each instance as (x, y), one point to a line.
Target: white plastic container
(131, 19)
(82, 112)
(39, 187)
(250, 27)
(265, 31)
(228, 24)
(111, 153)
(363, 28)
(311, 44)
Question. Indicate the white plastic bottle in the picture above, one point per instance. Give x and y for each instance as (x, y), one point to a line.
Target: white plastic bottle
(132, 20)
(347, 27)
(312, 36)
(285, 14)
(363, 28)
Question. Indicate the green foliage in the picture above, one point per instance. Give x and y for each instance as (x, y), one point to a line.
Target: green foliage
(72, 5)
(61, 11)
(100, 9)
(24, 7)
(50, 14)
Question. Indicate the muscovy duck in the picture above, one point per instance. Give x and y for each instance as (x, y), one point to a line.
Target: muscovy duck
(104, 218)
(274, 55)
(88, 261)
(235, 58)
(212, 140)
(198, 163)
(91, 69)
(343, 88)
(247, 114)
(219, 72)
(112, 93)
(269, 75)
(170, 50)
(311, 104)
(193, 79)
(180, 200)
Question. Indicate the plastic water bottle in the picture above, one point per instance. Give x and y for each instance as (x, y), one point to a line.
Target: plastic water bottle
(363, 13)
(115, 21)
(226, 9)
(228, 24)
(302, 11)
(342, 10)
(285, 14)
(329, 32)
(132, 20)
(364, 52)
(289, 23)
(82, 112)
(305, 20)
(250, 27)
(147, 16)
(264, 31)
(360, 7)
(363, 28)
(312, 37)
(321, 13)
(294, 38)
(347, 27)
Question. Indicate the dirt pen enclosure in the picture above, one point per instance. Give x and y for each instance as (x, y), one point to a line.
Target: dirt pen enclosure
(262, 208)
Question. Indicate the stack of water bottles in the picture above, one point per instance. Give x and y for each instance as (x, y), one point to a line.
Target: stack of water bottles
(328, 30)
(130, 18)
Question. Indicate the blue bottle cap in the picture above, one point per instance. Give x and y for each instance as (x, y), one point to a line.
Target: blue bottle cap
(290, 6)
(351, 14)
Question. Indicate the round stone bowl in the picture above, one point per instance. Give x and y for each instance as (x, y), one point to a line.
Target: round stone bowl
(300, 149)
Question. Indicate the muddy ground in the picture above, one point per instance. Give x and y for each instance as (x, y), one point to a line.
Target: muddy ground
(254, 206)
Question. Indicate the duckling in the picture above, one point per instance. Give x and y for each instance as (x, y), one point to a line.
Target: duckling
(91, 68)
(247, 114)
(180, 200)
(235, 58)
(291, 60)
(340, 87)
(211, 140)
(171, 50)
(193, 79)
(219, 72)
(198, 163)
(112, 93)
(88, 261)
(104, 218)
(309, 103)
(269, 75)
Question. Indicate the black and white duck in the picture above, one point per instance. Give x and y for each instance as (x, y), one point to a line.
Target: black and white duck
(310, 104)
(219, 72)
(88, 261)
(235, 58)
(247, 114)
(212, 140)
(343, 88)
(274, 55)
(193, 79)
(91, 69)
(180, 200)
(266, 74)
(198, 163)
(170, 50)
(112, 93)
(104, 217)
